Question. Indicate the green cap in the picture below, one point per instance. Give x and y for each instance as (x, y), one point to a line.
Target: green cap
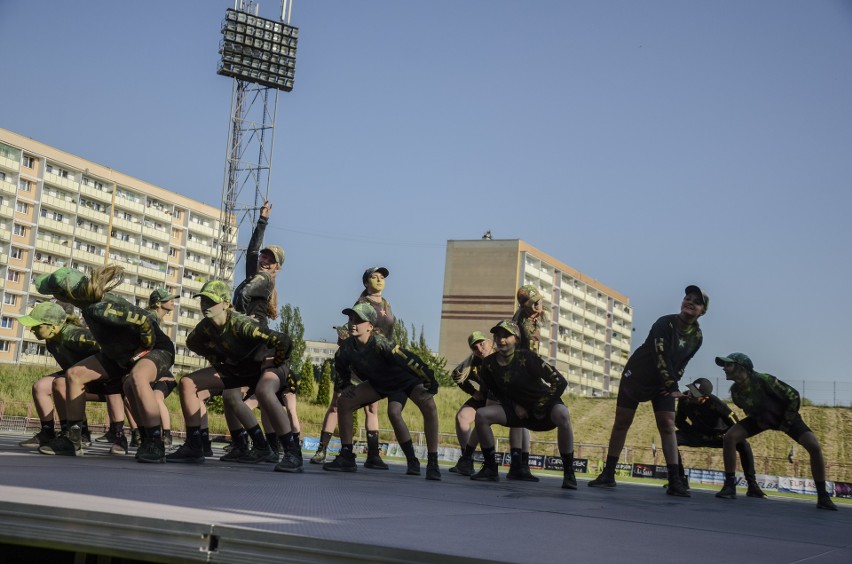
(45, 313)
(736, 358)
(527, 293)
(161, 295)
(363, 311)
(276, 251)
(705, 299)
(476, 337)
(60, 283)
(507, 325)
(216, 290)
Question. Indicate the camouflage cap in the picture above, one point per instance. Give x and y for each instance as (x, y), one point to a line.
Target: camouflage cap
(736, 358)
(527, 293)
(216, 290)
(702, 387)
(161, 295)
(45, 313)
(476, 337)
(705, 299)
(363, 311)
(60, 283)
(342, 331)
(507, 325)
(276, 251)
(369, 272)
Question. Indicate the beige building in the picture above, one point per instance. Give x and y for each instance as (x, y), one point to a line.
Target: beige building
(317, 352)
(57, 210)
(589, 327)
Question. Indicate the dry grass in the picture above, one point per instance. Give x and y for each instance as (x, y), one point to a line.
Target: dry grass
(592, 420)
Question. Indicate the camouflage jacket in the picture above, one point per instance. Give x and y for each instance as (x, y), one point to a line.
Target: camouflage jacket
(252, 296)
(240, 347)
(709, 419)
(767, 399)
(381, 363)
(661, 360)
(528, 380)
(73, 345)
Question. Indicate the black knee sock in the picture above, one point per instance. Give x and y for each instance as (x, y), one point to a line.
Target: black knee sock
(820, 487)
(468, 451)
(672, 470)
(611, 463)
(488, 457)
(346, 451)
(287, 441)
(154, 433)
(432, 458)
(47, 427)
(325, 437)
(272, 440)
(256, 434)
(372, 443)
(525, 459)
(193, 437)
(730, 478)
(567, 462)
(239, 437)
(297, 438)
(117, 428)
(408, 449)
(63, 424)
(515, 454)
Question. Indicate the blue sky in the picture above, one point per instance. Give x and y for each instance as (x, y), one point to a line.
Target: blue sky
(649, 145)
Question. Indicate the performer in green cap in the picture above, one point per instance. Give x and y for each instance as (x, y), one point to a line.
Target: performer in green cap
(769, 404)
(134, 351)
(389, 371)
(68, 343)
(466, 377)
(530, 394)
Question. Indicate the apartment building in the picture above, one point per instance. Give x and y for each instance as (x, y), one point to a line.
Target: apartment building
(589, 329)
(57, 210)
(317, 352)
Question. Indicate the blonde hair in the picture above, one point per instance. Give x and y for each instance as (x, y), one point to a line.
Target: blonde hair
(100, 281)
(272, 305)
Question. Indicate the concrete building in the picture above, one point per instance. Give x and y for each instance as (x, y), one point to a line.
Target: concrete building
(57, 210)
(589, 327)
(317, 352)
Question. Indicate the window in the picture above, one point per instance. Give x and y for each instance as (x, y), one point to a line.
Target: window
(17, 253)
(50, 214)
(13, 276)
(10, 299)
(172, 252)
(6, 322)
(5, 346)
(27, 161)
(3, 176)
(22, 207)
(19, 230)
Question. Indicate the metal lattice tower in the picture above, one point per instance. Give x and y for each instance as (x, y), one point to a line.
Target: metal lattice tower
(248, 167)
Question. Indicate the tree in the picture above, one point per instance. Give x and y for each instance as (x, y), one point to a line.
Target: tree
(291, 323)
(308, 383)
(324, 392)
(418, 345)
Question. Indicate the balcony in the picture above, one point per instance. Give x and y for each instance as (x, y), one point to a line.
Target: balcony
(150, 232)
(58, 226)
(57, 248)
(6, 211)
(101, 217)
(158, 214)
(57, 180)
(192, 285)
(188, 363)
(129, 205)
(10, 164)
(36, 359)
(198, 266)
(7, 187)
(198, 247)
(93, 259)
(95, 194)
(90, 236)
(153, 253)
(127, 225)
(65, 202)
(151, 273)
(202, 229)
(128, 246)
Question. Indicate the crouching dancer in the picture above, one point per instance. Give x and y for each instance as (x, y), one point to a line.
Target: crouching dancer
(769, 404)
(241, 353)
(387, 371)
(529, 391)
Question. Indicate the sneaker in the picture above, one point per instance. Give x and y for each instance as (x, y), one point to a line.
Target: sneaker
(255, 455)
(318, 458)
(521, 473)
(39, 439)
(433, 471)
(486, 474)
(375, 462)
(108, 437)
(341, 463)
(754, 490)
(152, 451)
(119, 446)
(187, 455)
(824, 502)
(290, 463)
(464, 466)
(69, 443)
(86, 437)
(604, 480)
(728, 491)
(234, 453)
(677, 487)
(569, 481)
(413, 467)
(167, 438)
(135, 440)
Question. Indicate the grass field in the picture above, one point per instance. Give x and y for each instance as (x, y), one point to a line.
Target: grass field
(592, 420)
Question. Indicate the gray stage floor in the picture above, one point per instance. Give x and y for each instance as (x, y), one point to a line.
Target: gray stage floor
(220, 512)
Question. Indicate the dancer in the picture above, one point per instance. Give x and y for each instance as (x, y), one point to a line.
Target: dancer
(394, 373)
(652, 374)
(701, 421)
(769, 404)
(134, 351)
(530, 394)
(465, 376)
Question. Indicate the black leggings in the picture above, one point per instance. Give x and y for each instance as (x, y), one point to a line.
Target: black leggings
(746, 455)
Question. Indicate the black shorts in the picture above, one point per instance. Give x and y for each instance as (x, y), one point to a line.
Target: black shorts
(161, 358)
(165, 385)
(474, 403)
(796, 430)
(631, 395)
(531, 423)
(693, 440)
(101, 388)
(232, 381)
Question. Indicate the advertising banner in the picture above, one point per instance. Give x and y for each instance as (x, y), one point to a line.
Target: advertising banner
(843, 489)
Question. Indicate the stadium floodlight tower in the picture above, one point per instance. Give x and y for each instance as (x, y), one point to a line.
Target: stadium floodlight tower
(260, 56)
